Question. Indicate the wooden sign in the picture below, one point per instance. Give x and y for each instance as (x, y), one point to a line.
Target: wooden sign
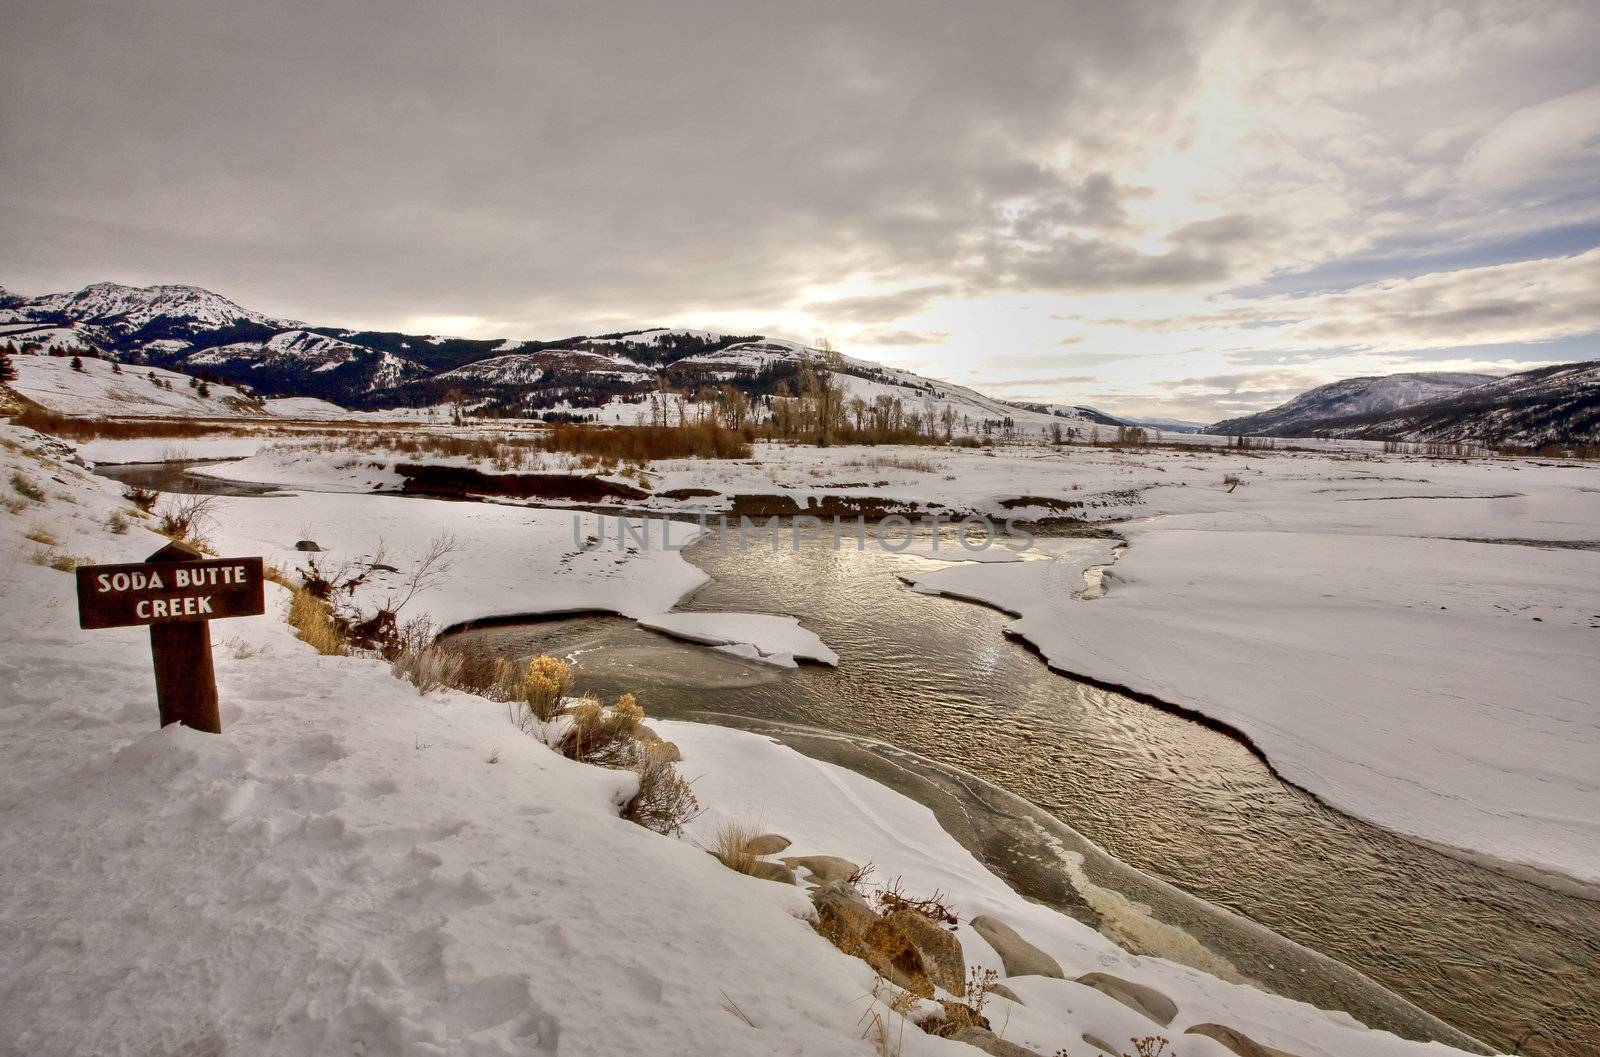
(161, 591)
(176, 591)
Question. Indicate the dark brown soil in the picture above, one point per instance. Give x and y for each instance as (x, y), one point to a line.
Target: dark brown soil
(458, 482)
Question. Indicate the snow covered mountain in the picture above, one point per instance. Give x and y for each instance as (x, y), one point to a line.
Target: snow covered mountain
(191, 330)
(1307, 413)
(1559, 404)
(1547, 405)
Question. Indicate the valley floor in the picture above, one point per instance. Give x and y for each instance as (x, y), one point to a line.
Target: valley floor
(1414, 640)
(354, 867)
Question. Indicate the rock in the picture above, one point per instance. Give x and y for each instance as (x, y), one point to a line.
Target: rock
(1235, 1040)
(1020, 957)
(771, 871)
(918, 950)
(1147, 1000)
(1100, 1044)
(307, 545)
(766, 844)
(1005, 992)
(823, 868)
(992, 1044)
(843, 917)
(767, 871)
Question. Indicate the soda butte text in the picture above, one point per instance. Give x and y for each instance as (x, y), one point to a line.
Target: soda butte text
(178, 605)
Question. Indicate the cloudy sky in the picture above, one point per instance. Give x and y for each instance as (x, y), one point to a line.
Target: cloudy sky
(1186, 209)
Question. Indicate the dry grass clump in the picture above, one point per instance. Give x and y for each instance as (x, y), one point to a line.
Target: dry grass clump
(24, 487)
(730, 842)
(60, 560)
(313, 621)
(414, 656)
(428, 668)
(42, 536)
(116, 524)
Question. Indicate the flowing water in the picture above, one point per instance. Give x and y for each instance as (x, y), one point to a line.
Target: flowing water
(970, 716)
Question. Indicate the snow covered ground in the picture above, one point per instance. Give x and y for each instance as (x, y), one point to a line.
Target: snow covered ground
(352, 867)
(1348, 611)
(98, 390)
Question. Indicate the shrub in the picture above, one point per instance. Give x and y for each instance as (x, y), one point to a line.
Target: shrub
(117, 524)
(664, 803)
(143, 498)
(313, 621)
(187, 519)
(607, 737)
(640, 444)
(546, 681)
(892, 897)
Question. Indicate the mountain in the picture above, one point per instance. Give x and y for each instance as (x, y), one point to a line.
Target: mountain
(1546, 405)
(607, 377)
(1075, 412)
(1171, 425)
(1313, 411)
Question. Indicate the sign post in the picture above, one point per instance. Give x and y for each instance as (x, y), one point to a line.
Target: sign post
(177, 591)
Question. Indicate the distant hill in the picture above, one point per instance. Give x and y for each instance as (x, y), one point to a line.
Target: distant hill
(1559, 404)
(606, 377)
(1171, 425)
(1313, 410)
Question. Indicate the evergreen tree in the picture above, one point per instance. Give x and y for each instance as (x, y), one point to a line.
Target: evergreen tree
(7, 371)
(77, 363)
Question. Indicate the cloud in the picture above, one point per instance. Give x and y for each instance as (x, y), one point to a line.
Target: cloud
(900, 337)
(907, 170)
(878, 308)
(1042, 383)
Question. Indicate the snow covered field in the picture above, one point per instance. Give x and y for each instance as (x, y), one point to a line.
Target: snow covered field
(354, 867)
(1413, 640)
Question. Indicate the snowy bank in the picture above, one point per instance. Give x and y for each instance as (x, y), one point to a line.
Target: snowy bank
(354, 867)
(1440, 688)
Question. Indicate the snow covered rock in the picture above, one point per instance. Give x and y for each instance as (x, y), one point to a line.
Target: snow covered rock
(1147, 1000)
(766, 844)
(1021, 958)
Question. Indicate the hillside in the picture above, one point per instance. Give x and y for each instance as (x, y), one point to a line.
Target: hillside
(608, 377)
(1547, 405)
(1314, 409)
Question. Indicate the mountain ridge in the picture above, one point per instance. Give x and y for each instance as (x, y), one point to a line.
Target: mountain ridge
(596, 377)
